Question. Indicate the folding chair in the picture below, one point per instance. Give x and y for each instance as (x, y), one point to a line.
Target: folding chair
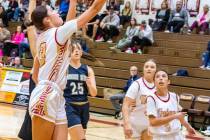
(196, 115)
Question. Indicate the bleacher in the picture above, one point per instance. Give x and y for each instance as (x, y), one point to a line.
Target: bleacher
(171, 52)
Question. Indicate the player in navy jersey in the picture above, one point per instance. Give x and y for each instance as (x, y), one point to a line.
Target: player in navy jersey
(80, 82)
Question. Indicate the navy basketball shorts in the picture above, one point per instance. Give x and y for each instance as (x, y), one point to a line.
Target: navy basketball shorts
(77, 115)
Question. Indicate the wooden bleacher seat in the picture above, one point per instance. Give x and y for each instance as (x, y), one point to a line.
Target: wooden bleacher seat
(201, 104)
(186, 101)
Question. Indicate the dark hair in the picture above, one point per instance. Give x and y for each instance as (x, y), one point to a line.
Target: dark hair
(159, 71)
(38, 15)
(134, 20)
(75, 44)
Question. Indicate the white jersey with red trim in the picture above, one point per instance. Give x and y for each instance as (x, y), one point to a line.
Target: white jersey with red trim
(53, 58)
(158, 106)
(138, 91)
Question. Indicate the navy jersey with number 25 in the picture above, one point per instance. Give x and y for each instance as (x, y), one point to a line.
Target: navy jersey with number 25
(76, 89)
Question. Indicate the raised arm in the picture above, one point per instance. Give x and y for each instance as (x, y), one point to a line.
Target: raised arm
(72, 10)
(64, 32)
(31, 31)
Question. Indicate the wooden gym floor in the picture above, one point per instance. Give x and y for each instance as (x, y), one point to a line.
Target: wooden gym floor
(100, 127)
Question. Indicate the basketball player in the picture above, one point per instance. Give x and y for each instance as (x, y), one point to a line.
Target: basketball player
(46, 105)
(80, 80)
(163, 111)
(135, 120)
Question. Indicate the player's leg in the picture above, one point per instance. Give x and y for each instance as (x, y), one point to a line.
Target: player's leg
(145, 135)
(75, 128)
(42, 129)
(77, 132)
(60, 132)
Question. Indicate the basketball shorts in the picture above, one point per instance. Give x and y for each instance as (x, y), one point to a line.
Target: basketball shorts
(139, 122)
(174, 136)
(77, 115)
(47, 102)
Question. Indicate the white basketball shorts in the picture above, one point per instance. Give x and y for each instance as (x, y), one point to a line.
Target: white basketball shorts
(47, 102)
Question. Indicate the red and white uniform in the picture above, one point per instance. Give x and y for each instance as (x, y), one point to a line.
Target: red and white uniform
(47, 99)
(159, 106)
(138, 91)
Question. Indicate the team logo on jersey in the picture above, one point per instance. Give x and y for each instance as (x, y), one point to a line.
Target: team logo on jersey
(42, 53)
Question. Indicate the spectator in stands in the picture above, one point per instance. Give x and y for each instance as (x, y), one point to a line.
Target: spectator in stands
(93, 24)
(63, 8)
(162, 17)
(117, 99)
(206, 58)
(109, 26)
(115, 4)
(13, 10)
(144, 38)
(3, 16)
(81, 7)
(15, 62)
(5, 4)
(202, 21)
(23, 47)
(12, 45)
(126, 13)
(4, 35)
(124, 43)
(178, 18)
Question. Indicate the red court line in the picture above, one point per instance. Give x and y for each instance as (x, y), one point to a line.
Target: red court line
(119, 124)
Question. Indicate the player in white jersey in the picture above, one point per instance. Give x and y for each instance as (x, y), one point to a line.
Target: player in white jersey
(47, 103)
(135, 120)
(163, 111)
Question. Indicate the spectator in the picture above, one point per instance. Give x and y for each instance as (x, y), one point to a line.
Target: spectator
(4, 35)
(124, 43)
(144, 38)
(206, 58)
(178, 18)
(63, 8)
(23, 47)
(115, 4)
(16, 62)
(162, 17)
(93, 24)
(81, 7)
(5, 4)
(13, 10)
(109, 26)
(126, 13)
(3, 16)
(117, 99)
(11, 47)
(202, 21)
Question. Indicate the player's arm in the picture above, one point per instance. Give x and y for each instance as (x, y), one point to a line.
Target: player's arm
(31, 31)
(64, 32)
(188, 126)
(35, 70)
(91, 82)
(72, 10)
(152, 114)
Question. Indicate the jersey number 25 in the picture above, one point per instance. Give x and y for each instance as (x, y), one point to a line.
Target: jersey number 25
(77, 88)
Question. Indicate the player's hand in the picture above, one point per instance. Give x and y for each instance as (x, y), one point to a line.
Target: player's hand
(128, 131)
(180, 115)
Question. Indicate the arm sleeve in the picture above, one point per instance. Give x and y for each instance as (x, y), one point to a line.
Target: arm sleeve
(151, 106)
(133, 91)
(64, 32)
(147, 33)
